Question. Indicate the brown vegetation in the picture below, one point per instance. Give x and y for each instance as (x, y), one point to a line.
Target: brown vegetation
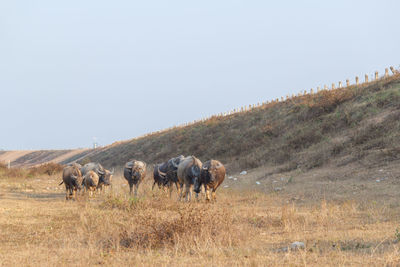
(246, 228)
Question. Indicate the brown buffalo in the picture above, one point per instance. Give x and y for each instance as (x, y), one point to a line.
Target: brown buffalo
(105, 176)
(72, 178)
(90, 182)
(211, 176)
(188, 174)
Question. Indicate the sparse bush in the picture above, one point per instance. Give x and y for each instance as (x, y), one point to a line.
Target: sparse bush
(50, 168)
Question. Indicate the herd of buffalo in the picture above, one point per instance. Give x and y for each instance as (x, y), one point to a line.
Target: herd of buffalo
(187, 173)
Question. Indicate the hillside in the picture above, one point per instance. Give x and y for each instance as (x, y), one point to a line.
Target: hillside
(335, 127)
(28, 158)
(357, 123)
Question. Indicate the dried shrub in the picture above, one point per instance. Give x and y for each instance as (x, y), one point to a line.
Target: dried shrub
(50, 168)
(148, 224)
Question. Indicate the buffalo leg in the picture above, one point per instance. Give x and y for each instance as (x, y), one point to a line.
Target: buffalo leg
(170, 189)
(185, 192)
(190, 192)
(214, 198)
(207, 192)
(179, 188)
(130, 188)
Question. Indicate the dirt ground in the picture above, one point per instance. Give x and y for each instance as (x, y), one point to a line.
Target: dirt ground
(343, 217)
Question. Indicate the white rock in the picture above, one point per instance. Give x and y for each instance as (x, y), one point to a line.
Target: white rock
(234, 179)
(230, 177)
(257, 182)
(381, 170)
(282, 179)
(243, 173)
(297, 245)
(378, 181)
(274, 181)
(226, 186)
(278, 189)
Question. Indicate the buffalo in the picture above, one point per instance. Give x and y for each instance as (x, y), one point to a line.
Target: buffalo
(188, 174)
(72, 179)
(165, 174)
(134, 173)
(105, 176)
(172, 171)
(211, 176)
(160, 175)
(90, 182)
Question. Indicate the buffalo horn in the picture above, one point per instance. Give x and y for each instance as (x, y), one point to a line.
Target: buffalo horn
(160, 172)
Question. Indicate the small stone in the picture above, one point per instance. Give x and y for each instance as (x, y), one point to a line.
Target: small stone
(230, 177)
(226, 186)
(277, 189)
(297, 245)
(284, 249)
(257, 182)
(234, 179)
(274, 181)
(243, 173)
(378, 181)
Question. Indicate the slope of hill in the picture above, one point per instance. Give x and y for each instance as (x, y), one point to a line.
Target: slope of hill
(337, 127)
(28, 158)
(357, 123)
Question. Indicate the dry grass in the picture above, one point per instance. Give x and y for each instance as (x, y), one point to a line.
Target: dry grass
(244, 228)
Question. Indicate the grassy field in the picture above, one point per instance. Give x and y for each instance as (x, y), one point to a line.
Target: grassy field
(248, 226)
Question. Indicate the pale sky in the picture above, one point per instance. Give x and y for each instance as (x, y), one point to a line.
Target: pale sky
(74, 70)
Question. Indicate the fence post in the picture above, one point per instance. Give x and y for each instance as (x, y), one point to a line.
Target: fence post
(366, 78)
(386, 72)
(376, 75)
(357, 80)
(347, 82)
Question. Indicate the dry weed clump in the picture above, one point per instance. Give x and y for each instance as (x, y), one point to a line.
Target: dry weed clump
(44, 169)
(50, 168)
(12, 172)
(148, 224)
